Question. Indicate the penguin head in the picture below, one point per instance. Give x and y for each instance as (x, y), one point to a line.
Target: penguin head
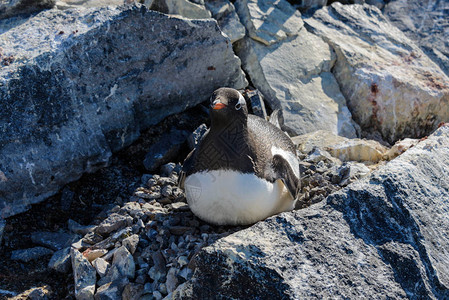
(228, 104)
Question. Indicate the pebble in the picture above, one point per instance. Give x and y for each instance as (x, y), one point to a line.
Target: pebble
(101, 266)
(60, 261)
(157, 295)
(92, 254)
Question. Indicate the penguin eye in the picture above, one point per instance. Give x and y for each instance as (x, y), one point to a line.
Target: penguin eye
(238, 106)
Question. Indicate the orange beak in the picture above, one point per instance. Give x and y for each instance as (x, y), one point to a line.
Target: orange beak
(219, 105)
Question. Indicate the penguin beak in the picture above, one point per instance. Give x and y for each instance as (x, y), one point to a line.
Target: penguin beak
(218, 105)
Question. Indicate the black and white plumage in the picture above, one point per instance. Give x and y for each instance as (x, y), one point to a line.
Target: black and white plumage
(243, 170)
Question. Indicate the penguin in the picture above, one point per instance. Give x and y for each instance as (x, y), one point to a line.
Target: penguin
(243, 170)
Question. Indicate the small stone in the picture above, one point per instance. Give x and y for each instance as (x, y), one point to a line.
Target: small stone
(151, 182)
(132, 291)
(92, 238)
(185, 273)
(163, 289)
(148, 288)
(52, 240)
(145, 177)
(167, 169)
(180, 230)
(111, 275)
(84, 275)
(183, 260)
(131, 208)
(111, 290)
(122, 234)
(113, 222)
(157, 295)
(60, 261)
(131, 243)
(124, 262)
(92, 254)
(78, 228)
(166, 191)
(101, 266)
(27, 255)
(172, 280)
(39, 293)
(180, 206)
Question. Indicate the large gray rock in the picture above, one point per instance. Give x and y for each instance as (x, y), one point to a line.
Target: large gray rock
(182, 8)
(390, 85)
(224, 12)
(382, 237)
(269, 21)
(294, 76)
(425, 22)
(74, 94)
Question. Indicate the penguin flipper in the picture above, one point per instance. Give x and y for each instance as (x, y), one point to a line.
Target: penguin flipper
(284, 172)
(187, 166)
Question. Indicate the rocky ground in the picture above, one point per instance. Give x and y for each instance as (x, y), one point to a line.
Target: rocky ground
(137, 223)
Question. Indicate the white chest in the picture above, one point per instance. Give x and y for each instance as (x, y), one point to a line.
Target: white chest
(232, 198)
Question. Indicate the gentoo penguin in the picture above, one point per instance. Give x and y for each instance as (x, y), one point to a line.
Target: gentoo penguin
(244, 169)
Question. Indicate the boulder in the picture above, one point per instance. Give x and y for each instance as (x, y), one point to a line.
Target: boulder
(390, 85)
(269, 22)
(11, 8)
(384, 236)
(224, 12)
(424, 22)
(294, 76)
(72, 94)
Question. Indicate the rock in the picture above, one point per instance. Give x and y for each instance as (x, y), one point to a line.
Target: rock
(11, 8)
(344, 149)
(381, 237)
(66, 4)
(52, 240)
(269, 22)
(131, 243)
(257, 104)
(84, 276)
(92, 254)
(112, 290)
(112, 274)
(294, 76)
(157, 295)
(196, 136)
(165, 150)
(75, 227)
(424, 22)
(390, 85)
(60, 261)
(101, 266)
(182, 8)
(172, 280)
(112, 223)
(224, 12)
(124, 262)
(30, 254)
(132, 291)
(167, 169)
(39, 293)
(351, 171)
(400, 147)
(84, 117)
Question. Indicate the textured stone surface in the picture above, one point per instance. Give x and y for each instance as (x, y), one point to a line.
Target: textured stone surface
(425, 22)
(84, 276)
(269, 21)
(60, 261)
(294, 76)
(124, 262)
(382, 237)
(27, 255)
(73, 94)
(52, 240)
(224, 12)
(113, 222)
(10, 8)
(340, 147)
(390, 85)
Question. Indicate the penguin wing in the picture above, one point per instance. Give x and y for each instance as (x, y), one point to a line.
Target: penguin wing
(187, 168)
(283, 170)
